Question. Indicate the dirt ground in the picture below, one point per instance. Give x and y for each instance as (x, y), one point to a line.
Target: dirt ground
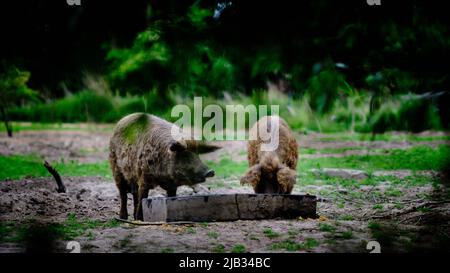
(416, 220)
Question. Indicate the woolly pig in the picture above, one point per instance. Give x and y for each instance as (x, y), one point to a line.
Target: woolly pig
(143, 155)
(272, 171)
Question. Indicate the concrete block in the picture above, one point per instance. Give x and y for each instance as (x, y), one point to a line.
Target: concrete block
(227, 207)
(343, 173)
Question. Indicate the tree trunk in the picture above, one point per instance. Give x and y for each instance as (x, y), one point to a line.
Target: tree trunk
(6, 121)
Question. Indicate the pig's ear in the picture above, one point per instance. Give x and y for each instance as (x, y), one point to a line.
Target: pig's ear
(177, 146)
(203, 147)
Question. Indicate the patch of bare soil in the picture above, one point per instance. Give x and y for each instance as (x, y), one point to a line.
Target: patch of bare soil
(342, 227)
(400, 217)
(82, 146)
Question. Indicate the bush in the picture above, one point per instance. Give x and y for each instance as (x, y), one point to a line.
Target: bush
(412, 114)
(83, 106)
(324, 90)
(126, 106)
(417, 115)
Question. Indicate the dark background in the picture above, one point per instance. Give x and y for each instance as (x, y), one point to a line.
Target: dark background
(56, 42)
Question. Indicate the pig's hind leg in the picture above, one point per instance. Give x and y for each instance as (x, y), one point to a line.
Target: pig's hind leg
(141, 194)
(122, 185)
(134, 188)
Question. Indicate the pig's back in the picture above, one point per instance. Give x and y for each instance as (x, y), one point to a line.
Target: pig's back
(287, 145)
(138, 138)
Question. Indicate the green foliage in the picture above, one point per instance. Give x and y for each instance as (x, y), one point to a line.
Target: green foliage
(392, 81)
(148, 49)
(417, 115)
(83, 106)
(324, 89)
(349, 113)
(91, 107)
(197, 15)
(14, 90)
(13, 87)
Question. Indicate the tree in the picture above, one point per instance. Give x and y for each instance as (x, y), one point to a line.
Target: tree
(14, 90)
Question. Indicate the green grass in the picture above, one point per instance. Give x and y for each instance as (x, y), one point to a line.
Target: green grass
(227, 167)
(378, 206)
(17, 167)
(346, 218)
(329, 150)
(190, 230)
(347, 234)
(70, 229)
(394, 192)
(42, 126)
(381, 137)
(416, 158)
(238, 248)
(218, 248)
(303, 151)
(167, 250)
(270, 233)
(423, 209)
(388, 234)
(327, 228)
(291, 245)
(213, 234)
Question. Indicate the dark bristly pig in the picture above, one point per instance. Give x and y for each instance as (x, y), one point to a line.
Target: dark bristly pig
(143, 154)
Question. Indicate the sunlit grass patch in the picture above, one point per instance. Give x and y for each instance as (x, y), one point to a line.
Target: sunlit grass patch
(17, 167)
(42, 126)
(382, 137)
(227, 167)
(291, 245)
(416, 158)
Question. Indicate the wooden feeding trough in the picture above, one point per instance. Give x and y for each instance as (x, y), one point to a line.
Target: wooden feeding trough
(228, 207)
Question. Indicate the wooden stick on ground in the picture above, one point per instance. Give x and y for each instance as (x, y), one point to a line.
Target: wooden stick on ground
(142, 223)
(55, 174)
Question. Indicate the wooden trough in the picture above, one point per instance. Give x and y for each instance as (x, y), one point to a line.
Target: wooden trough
(228, 207)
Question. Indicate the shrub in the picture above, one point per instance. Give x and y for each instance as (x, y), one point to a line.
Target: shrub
(83, 106)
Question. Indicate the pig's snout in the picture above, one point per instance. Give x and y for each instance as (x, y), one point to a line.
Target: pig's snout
(209, 173)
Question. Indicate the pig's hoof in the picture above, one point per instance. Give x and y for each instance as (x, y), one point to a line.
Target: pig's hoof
(123, 216)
